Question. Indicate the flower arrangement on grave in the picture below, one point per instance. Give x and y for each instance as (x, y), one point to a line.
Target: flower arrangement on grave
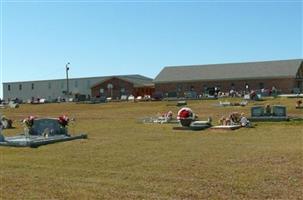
(63, 121)
(169, 114)
(29, 121)
(235, 117)
(186, 116)
(185, 113)
(298, 103)
(6, 123)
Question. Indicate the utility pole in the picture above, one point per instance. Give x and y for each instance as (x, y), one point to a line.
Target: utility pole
(67, 84)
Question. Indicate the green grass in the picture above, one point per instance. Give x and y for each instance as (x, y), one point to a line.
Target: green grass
(123, 159)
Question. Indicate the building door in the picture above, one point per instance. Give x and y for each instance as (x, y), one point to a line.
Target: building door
(110, 88)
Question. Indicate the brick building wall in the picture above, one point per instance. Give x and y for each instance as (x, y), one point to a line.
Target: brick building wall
(283, 84)
(119, 87)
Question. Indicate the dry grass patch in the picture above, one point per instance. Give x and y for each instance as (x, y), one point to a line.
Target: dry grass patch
(123, 159)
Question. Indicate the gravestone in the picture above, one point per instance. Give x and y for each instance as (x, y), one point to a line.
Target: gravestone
(279, 111)
(246, 97)
(172, 94)
(81, 97)
(123, 97)
(131, 98)
(181, 103)
(12, 104)
(102, 100)
(42, 100)
(6, 123)
(296, 90)
(47, 125)
(2, 138)
(257, 111)
(258, 97)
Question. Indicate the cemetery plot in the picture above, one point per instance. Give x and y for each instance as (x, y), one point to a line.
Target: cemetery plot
(268, 113)
(128, 160)
(189, 121)
(40, 132)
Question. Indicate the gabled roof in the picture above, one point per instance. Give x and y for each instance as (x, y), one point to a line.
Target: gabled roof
(137, 80)
(231, 71)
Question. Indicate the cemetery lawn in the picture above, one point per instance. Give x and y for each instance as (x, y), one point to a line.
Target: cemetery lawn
(123, 159)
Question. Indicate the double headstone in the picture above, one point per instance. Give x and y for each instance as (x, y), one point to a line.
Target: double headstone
(258, 111)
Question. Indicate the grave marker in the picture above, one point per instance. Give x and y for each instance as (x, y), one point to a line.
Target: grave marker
(257, 111)
(279, 111)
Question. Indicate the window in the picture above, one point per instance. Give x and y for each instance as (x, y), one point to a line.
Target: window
(20, 87)
(232, 85)
(110, 86)
(33, 86)
(9, 87)
(88, 84)
(49, 85)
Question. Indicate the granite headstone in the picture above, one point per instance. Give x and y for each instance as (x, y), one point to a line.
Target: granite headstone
(257, 111)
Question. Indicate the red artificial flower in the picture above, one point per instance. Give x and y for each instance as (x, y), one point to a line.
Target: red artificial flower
(184, 114)
(63, 120)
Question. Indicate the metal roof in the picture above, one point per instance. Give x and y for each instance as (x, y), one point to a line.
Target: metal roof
(133, 78)
(230, 71)
(137, 80)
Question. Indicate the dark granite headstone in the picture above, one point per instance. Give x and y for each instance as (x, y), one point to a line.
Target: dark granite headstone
(279, 111)
(257, 111)
(172, 94)
(81, 97)
(52, 125)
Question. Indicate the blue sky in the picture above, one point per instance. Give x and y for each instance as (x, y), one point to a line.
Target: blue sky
(141, 37)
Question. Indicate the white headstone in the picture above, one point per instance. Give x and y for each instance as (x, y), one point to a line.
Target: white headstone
(131, 98)
(247, 97)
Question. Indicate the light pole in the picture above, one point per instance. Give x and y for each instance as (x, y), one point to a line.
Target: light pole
(67, 85)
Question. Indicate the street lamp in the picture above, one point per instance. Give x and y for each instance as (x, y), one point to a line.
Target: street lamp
(67, 85)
